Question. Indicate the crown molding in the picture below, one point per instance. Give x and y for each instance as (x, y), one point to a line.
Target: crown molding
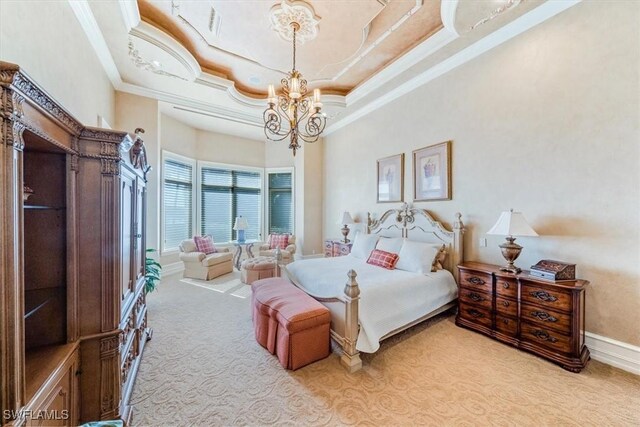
(130, 13)
(88, 23)
(529, 20)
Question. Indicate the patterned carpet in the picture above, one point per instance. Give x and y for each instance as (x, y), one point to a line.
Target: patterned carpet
(203, 367)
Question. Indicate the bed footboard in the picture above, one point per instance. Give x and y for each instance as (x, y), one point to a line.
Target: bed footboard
(344, 317)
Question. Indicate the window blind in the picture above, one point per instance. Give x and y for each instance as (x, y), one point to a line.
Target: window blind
(280, 203)
(227, 194)
(177, 201)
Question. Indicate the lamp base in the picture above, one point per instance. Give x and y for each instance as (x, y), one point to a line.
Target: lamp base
(345, 233)
(241, 236)
(510, 252)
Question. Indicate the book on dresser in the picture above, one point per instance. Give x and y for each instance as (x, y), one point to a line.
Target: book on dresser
(542, 316)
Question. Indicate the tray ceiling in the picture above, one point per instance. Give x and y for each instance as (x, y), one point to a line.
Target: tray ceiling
(235, 39)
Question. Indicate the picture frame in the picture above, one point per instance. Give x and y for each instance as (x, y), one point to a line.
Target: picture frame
(432, 173)
(391, 179)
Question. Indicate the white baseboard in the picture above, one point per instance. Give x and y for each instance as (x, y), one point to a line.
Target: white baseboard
(615, 353)
(173, 268)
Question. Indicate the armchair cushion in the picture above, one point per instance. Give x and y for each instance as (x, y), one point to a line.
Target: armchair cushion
(216, 258)
(192, 256)
(278, 241)
(205, 244)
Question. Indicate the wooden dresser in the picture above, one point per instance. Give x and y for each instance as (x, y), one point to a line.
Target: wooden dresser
(541, 316)
(73, 319)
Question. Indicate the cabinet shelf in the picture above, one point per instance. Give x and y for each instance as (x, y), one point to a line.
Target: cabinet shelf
(44, 207)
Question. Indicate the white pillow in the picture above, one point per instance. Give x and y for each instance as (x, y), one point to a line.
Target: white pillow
(417, 257)
(363, 244)
(390, 244)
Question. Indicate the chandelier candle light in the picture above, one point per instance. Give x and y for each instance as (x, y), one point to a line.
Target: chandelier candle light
(293, 114)
(511, 224)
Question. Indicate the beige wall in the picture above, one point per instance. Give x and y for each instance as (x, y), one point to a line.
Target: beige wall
(547, 124)
(177, 137)
(134, 111)
(309, 163)
(220, 148)
(47, 41)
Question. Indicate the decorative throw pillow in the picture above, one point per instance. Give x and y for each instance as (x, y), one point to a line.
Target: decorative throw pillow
(205, 244)
(383, 259)
(417, 257)
(440, 258)
(363, 244)
(390, 244)
(278, 241)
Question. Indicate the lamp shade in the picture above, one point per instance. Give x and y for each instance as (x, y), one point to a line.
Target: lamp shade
(512, 223)
(345, 218)
(240, 224)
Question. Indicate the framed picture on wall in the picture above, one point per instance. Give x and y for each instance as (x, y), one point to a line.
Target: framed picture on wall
(391, 179)
(432, 173)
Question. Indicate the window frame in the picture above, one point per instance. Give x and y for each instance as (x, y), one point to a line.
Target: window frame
(267, 171)
(231, 167)
(168, 155)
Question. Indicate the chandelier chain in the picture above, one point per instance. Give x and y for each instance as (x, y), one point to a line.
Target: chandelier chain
(294, 48)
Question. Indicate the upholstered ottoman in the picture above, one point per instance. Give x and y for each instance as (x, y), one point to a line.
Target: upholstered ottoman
(257, 268)
(289, 323)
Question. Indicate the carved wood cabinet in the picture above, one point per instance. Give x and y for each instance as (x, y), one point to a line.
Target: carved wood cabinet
(73, 318)
(541, 316)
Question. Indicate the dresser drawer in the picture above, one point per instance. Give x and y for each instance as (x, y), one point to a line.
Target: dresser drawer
(552, 299)
(507, 287)
(506, 325)
(474, 297)
(548, 318)
(545, 337)
(476, 280)
(475, 314)
(506, 307)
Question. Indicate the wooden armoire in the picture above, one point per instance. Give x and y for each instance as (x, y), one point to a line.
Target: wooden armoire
(73, 317)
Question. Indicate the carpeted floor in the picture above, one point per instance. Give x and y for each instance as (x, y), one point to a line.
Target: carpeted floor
(204, 368)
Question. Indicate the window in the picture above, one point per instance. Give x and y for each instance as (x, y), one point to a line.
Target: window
(226, 194)
(280, 202)
(177, 195)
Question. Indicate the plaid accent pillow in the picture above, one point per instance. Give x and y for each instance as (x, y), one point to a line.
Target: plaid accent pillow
(205, 244)
(278, 241)
(383, 259)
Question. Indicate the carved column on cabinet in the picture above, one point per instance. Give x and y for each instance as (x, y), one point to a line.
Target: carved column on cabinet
(12, 387)
(110, 377)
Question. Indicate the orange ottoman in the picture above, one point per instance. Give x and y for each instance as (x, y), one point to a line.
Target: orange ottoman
(289, 322)
(257, 268)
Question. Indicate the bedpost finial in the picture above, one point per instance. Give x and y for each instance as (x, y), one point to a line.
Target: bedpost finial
(351, 289)
(458, 225)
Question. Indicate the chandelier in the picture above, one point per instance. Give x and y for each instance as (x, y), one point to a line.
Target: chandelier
(291, 113)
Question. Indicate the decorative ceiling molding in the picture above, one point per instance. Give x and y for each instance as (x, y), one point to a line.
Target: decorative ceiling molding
(152, 66)
(532, 18)
(131, 18)
(299, 12)
(496, 12)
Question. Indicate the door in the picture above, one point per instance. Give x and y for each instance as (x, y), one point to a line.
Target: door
(127, 218)
(140, 227)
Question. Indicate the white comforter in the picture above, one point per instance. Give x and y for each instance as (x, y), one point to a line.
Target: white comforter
(389, 299)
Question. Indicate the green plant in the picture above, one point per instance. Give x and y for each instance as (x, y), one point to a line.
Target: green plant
(153, 272)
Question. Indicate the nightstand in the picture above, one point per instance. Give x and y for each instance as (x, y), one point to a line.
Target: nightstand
(544, 317)
(336, 247)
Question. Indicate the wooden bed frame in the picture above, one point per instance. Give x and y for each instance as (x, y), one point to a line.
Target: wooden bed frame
(410, 223)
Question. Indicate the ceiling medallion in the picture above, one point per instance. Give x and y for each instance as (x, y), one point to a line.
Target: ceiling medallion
(284, 14)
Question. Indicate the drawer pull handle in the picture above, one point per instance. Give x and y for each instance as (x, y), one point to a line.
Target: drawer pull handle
(544, 296)
(543, 335)
(475, 297)
(475, 313)
(505, 285)
(505, 321)
(505, 303)
(545, 317)
(476, 281)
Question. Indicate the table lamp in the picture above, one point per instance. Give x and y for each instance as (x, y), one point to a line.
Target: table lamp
(511, 224)
(345, 218)
(240, 225)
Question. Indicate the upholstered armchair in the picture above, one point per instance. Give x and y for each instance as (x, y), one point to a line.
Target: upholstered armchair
(287, 253)
(198, 265)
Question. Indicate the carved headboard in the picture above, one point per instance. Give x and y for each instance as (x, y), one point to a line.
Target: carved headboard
(418, 225)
